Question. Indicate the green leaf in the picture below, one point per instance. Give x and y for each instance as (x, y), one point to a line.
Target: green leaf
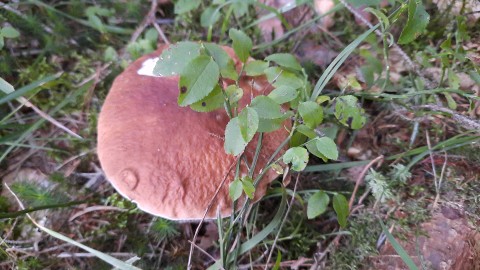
(317, 204)
(225, 63)
(234, 142)
(349, 113)
(298, 156)
(278, 261)
(235, 189)
(453, 79)
(213, 101)
(197, 80)
(380, 16)
(450, 101)
(2, 42)
(313, 149)
(310, 133)
(242, 44)
(151, 35)
(9, 32)
(311, 112)
(340, 205)
(279, 77)
(269, 125)
(324, 148)
(266, 107)
(447, 44)
(209, 17)
(285, 60)
(240, 8)
(174, 59)
(110, 54)
(327, 147)
(283, 94)
(248, 187)
(234, 93)
(96, 23)
(5, 87)
(255, 68)
(417, 22)
(248, 122)
(322, 99)
(184, 6)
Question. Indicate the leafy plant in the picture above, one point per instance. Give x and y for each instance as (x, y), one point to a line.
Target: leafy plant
(201, 66)
(379, 185)
(7, 32)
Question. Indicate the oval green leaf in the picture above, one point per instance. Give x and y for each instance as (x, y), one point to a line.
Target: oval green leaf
(255, 68)
(279, 77)
(197, 80)
(213, 101)
(298, 156)
(174, 59)
(248, 187)
(242, 44)
(266, 107)
(283, 94)
(184, 6)
(209, 16)
(317, 204)
(349, 113)
(9, 32)
(234, 93)
(248, 122)
(340, 205)
(235, 189)
(269, 125)
(225, 63)
(311, 112)
(285, 60)
(234, 142)
(327, 147)
(309, 132)
(416, 23)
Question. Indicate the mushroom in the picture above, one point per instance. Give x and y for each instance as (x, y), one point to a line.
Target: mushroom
(167, 159)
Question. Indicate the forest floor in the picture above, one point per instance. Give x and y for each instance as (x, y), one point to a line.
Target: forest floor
(416, 162)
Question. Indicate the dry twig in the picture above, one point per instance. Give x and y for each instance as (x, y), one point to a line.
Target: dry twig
(360, 179)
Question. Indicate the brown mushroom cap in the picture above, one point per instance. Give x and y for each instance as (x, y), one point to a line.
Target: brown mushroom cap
(170, 160)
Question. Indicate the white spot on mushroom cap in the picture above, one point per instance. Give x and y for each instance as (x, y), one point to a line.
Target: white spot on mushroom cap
(147, 67)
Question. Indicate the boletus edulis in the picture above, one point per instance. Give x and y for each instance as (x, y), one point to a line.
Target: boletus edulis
(168, 159)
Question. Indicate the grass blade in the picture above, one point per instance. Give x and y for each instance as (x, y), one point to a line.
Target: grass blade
(105, 257)
(277, 219)
(398, 248)
(32, 86)
(39, 123)
(337, 62)
(335, 166)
